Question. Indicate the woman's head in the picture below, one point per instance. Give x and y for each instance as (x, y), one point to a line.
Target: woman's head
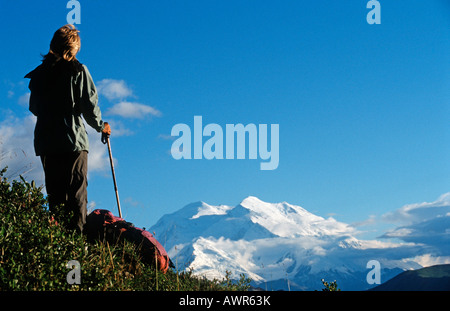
(65, 43)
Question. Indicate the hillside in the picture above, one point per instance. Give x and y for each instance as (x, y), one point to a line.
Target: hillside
(434, 278)
(35, 251)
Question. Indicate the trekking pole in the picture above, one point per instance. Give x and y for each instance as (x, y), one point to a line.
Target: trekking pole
(105, 137)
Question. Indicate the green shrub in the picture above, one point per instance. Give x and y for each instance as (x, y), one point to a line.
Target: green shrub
(330, 287)
(36, 247)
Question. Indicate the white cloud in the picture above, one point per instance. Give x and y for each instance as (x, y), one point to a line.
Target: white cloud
(428, 260)
(133, 110)
(425, 223)
(113, 89)
(401, 232)
(17, 149)
(417, 212)
(98, 160)
(370, 221)
(24, 99)
(118, 90)
(432, 232)
(166, 137)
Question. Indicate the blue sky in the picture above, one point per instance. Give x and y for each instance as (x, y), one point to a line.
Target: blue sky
(363, 110)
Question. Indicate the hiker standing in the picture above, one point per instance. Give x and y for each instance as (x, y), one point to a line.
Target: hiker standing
(62, 90)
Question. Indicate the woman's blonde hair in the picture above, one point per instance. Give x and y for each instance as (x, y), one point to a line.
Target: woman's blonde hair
(65, 43)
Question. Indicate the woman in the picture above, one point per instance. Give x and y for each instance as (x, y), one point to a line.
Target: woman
(62, 91)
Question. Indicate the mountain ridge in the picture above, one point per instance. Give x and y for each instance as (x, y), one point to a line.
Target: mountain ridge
(434, 278)
(279, 245)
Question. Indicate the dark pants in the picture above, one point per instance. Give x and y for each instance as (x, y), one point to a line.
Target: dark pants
(66, 184)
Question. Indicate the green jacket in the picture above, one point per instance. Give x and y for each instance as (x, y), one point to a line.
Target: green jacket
(61, 93)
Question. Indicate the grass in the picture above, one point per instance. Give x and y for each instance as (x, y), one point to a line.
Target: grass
(36, 247)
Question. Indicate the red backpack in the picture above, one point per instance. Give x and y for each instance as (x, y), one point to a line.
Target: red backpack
(103, 225)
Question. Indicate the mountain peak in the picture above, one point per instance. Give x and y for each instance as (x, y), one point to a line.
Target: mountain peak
(288, 220)
(251, 200)
(205, 210)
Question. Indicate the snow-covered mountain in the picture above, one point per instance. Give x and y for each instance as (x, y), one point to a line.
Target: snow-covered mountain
(277, 245)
